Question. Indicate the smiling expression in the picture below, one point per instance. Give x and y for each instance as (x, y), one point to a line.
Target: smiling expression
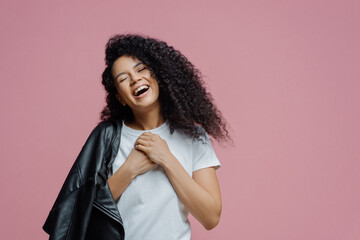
(136, 87)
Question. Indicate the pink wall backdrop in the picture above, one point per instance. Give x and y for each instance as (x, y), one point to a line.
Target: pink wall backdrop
(284, 73)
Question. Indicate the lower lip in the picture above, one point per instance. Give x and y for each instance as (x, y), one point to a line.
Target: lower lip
(143, 94)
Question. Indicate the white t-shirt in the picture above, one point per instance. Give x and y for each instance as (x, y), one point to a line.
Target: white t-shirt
(149, 206)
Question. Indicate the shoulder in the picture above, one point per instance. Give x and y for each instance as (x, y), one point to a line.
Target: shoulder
(106, 125)
(191, 141)
(106, 128)
(203, 135)
(201, 130)
(197, 130)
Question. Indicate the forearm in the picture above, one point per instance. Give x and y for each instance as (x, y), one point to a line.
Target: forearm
(120, 180)
(200, 203)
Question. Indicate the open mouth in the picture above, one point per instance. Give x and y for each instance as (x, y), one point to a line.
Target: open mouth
(140, 90)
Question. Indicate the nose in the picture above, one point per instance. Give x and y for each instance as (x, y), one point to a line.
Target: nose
(135, 78)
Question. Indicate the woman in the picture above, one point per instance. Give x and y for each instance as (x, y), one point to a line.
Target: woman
(161, 166)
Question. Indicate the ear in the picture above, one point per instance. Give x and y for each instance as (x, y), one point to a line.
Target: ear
(120, 100)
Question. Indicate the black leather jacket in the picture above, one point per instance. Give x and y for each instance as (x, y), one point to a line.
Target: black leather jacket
(85, 208)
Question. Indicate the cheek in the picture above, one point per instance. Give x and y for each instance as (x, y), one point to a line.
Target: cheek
(156, 86)
(157, 91)
(123, 91)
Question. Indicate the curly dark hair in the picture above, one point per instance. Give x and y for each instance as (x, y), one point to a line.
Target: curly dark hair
(184, 101)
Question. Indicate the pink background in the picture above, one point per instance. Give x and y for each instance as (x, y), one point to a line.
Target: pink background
(284, 73)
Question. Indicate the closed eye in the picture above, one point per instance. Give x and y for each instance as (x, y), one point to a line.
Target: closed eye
(142, 69)
(123, 79)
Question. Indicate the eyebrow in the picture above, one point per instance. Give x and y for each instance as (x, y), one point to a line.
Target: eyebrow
(139, 63)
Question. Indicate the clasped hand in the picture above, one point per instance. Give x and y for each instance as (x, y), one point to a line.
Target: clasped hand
(149, 149)
(154, 147)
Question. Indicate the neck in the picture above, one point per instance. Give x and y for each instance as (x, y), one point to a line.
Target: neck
(147, 120)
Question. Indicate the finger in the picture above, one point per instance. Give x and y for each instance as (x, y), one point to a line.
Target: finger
(146, 137)
(142, 142)
(141, 148)
(147, 134)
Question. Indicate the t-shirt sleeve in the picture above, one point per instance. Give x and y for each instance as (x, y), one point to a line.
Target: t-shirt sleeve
(204, 155)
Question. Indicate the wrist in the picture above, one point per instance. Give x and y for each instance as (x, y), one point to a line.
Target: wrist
(168, 162)
(130, 169)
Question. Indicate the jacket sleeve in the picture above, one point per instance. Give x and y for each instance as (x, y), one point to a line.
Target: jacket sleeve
(71, 211)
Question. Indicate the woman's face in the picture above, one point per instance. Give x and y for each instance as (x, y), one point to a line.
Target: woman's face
(136, 87)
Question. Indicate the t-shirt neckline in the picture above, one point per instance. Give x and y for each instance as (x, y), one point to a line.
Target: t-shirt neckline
(136, 132)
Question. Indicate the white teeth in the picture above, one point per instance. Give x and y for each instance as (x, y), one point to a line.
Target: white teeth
(140, 88)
